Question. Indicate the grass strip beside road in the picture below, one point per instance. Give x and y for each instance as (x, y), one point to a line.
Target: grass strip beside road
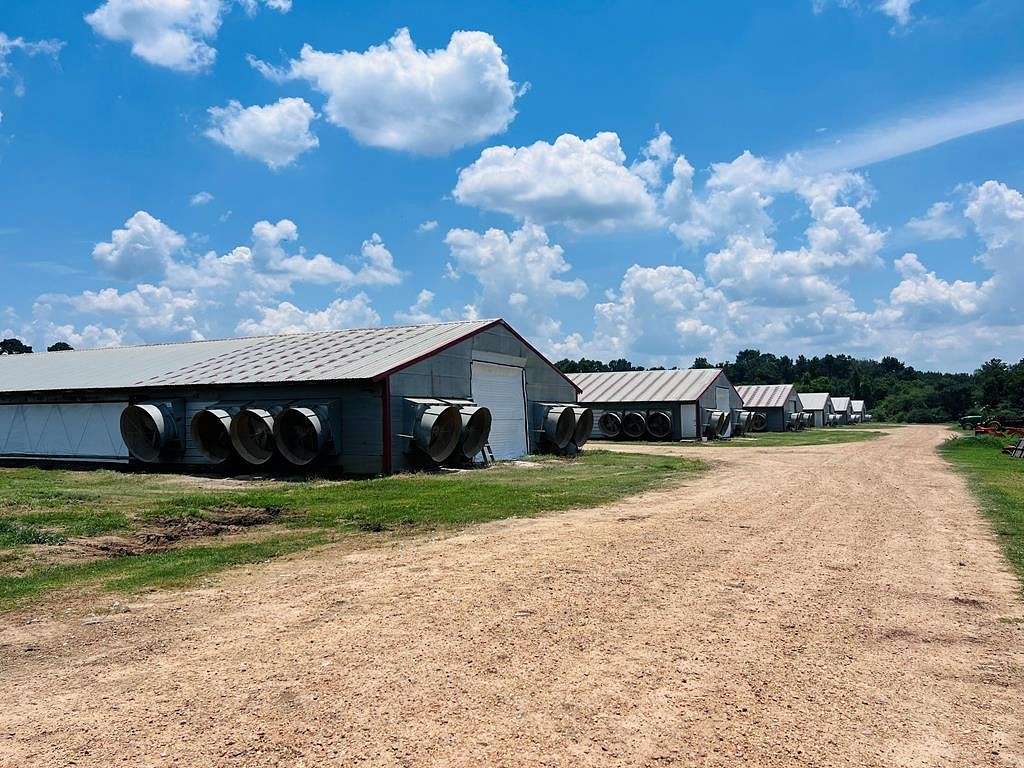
(45, 512)
(997, 481)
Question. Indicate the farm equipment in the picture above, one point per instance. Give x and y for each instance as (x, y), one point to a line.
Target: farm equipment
(1015, 450)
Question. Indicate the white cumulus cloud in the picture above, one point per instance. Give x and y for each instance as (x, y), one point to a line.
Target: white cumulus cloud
(288, 318)
(399, 97)
(145, 245)
(275, 134)
(175, 34)
(940, 222)
(422, 311)
(581, 183)
(200, 198)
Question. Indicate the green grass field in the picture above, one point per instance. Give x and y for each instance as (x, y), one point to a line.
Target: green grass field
(57, 509)
(997, 481)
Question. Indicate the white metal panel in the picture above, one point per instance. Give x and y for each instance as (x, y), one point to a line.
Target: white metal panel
(193, 453)
(689, 417)
(501, 388)
(63, 430)
(722, 399)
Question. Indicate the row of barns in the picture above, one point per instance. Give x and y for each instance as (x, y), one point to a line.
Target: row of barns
(363, 401)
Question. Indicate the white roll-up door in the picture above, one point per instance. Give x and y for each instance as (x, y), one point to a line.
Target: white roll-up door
(83, 431)
(502, 389)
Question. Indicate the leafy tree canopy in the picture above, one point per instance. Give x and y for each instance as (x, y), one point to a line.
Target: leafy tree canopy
(14, 347)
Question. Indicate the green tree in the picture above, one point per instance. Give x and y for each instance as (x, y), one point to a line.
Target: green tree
(14, 347)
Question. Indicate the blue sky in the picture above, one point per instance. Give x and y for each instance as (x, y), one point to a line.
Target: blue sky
(652, 181)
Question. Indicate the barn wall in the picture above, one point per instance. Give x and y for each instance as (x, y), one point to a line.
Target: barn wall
(449, 374)
(683, 427)
(361, 407)
(709, 399)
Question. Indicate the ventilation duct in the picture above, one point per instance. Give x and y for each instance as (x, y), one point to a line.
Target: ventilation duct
(476, 429)
(436, 430)
(211, 431)
(150, 431)
(584, 425)
(252, 435)
(723, 424)
(634, 425)
(794, 423)
(808, 418)
(741, 422)
(610, 424)
(716, 423)
(659, 424)
(758, 422)
(557, 423)
(303, 434)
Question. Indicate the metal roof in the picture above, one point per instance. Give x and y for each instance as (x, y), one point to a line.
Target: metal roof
(765, 395)
(840, 404)
(644, 386)
(858, 406)
(362, 353)
(814, 401)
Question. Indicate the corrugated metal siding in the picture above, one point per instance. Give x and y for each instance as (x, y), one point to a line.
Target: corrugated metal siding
(765, 395)
(88, 431)
(328, 356)
(647, 386)
(193, 454)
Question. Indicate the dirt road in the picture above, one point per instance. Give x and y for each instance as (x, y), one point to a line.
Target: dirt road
(827, 605)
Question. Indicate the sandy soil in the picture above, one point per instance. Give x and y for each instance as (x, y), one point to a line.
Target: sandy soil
(827, 605)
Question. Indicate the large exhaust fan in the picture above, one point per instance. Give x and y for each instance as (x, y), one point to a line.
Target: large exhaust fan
(557, 423)
(659, 424)
(634, 425)
(150, 431)
(795, 423)
(716, 424)
(211, 431)
(584, 425)
(476, 430)
(741, 422)
(758, 422)
(302, 434)
(436, 427)
(252, 435)
(610, 424)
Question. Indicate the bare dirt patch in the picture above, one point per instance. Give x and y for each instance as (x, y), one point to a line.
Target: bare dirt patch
(816, 606)
(158, 535)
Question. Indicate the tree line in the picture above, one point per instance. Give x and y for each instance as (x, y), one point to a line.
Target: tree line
(18, 347)
(892, 390)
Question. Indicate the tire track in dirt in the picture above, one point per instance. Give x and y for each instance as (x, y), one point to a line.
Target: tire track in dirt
(827, 605)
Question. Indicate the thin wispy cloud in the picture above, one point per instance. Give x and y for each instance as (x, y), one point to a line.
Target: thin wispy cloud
(928, 127)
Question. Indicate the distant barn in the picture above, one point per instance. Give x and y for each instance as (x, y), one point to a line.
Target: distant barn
(661, 405)
(776, 407)
(843, 408)
(859, 411)
(819, 404)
